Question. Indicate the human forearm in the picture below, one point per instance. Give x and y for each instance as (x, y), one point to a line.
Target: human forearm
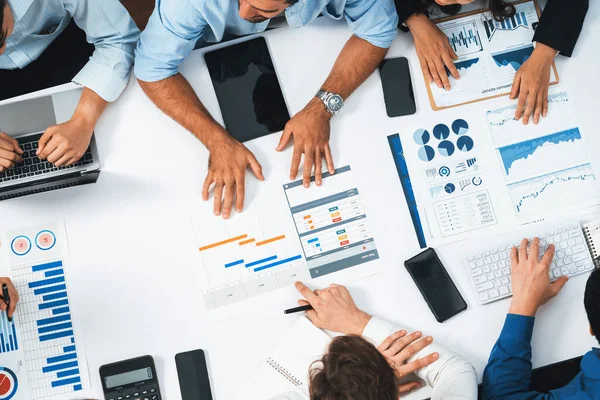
(90, 108)
(356, 62)
(175, 97)
(561, 23)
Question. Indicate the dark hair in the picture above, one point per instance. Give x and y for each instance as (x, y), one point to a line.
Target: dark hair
(591, 301)
(2, 6)
(352, 369)
(500, 9)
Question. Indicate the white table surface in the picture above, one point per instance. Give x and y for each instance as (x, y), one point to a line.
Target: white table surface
(134, 252)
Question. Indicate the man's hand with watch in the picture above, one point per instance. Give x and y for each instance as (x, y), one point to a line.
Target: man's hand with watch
(310, 129)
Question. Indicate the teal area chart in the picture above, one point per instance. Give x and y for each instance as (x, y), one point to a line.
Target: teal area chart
(514, 57)
(514, 152)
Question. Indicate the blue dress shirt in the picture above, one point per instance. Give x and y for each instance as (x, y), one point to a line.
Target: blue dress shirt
(508, 373)
(106, 23)
(177, 25)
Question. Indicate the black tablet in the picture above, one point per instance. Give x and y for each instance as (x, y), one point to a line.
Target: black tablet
(247, 89)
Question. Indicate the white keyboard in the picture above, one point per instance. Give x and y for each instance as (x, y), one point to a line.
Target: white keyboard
(490, 269)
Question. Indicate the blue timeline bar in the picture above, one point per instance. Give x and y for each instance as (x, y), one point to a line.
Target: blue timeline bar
(53, 320)
(54, 296)
(56, 335)
(62, 310)
(46, 282)
(58, 367)
(64, 357)
(54, 272)
(68, 381)
(68, 349)
(53, 304)
(231, 264)
(264, 260)
(277, 263)
(49, 289)
(53, 328)
(313, 240)
(51, 265)
(69, 372)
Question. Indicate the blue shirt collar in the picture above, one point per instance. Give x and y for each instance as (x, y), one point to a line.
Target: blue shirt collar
(19, 8)
(590, 364)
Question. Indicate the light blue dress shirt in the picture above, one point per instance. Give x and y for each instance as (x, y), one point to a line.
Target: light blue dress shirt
(106, 23)
(177, 25)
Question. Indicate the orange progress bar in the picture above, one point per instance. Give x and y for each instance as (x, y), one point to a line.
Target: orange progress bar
(210, 246)
(246, 241)
(270, 240)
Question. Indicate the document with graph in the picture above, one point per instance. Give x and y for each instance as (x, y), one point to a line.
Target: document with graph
(286, 233)
(546, 167)
(489, 54)
(42, 349)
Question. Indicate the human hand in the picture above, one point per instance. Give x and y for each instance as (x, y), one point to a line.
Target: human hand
(333, 309)
(66, 143)
(10, 152)
(399, 347)
(530, 277)
(310, 128)
(531, 84)
(14, 297)
(227, 170)
(433, 49)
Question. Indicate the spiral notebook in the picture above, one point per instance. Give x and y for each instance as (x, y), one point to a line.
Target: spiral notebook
(288, 365)
(592, 237)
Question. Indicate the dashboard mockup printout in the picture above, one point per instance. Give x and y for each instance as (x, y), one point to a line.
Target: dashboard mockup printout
(41, 349)
(489, 55)
(465, 176)
(285, 234)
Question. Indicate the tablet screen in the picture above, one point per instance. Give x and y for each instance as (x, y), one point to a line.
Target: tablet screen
(247, 89)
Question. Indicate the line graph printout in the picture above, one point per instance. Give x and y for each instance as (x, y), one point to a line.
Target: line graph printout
(546, 166)
(42, 353)
(286, 235)
(490, 53)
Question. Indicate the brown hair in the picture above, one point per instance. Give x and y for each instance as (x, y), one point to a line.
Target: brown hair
(352, 369)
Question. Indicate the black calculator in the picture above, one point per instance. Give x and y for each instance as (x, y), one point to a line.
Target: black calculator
(133, 379)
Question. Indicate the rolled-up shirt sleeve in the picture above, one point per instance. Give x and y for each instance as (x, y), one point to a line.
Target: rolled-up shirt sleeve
(172, 32)
(375, 21)
(111, 30)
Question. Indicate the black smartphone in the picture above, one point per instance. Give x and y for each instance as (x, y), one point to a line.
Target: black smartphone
(436, 286)
(397, 87)
(248, 90)
(192, 371)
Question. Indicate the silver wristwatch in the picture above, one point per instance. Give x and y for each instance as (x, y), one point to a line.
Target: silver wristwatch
(333, 102)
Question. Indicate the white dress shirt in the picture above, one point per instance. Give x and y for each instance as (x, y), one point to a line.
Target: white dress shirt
(450, 377)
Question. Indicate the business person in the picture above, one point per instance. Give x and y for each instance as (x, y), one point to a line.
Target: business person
(14, 297)
(376, 357)
(177, 26)
(32, 49)
(557, 33)
(508, 373)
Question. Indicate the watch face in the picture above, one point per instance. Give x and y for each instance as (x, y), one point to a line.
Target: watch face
(335, 103)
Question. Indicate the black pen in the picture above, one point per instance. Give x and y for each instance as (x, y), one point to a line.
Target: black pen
(298, 309)
(6, 297)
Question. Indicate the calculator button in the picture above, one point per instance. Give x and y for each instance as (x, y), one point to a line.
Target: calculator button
(136, 395)
(154, 397)
(152, 390)
(145, 392)
(128, 396)
(120, 398)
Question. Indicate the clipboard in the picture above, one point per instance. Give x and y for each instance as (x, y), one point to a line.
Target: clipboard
(432, 100)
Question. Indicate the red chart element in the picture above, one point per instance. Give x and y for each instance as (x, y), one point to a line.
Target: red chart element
(45, 240)
(8, 384)
(21, 245)
(5, 384)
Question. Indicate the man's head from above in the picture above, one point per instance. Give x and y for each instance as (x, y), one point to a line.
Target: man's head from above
(353, 368)
(6, 24)
(257, 11)
(591, 301)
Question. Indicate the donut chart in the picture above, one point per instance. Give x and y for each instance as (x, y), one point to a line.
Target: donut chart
(20, 245)
(8, 384)
(45, 240)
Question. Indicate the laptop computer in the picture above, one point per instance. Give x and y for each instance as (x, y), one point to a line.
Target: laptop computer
(26, 118)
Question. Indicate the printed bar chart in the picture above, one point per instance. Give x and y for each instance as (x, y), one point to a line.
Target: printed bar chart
(47, 329)
(463, 37)
(8, 335)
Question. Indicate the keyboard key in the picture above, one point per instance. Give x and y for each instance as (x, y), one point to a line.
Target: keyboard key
(469, 259)
(557, 273)
(588, 266)
(495, 258)
(479, 263)
(483, 296)
(494, 293)
(479, 279)
(27, 146)
(476, 272)
(497, 283)
(503, 290)
(471, 265)
(503, 256)
(34, 145)
(580, 256)
(494, 267)
(498, 274)
(487, 269)
(564, 270)
(487, 260)
(484, 286)
(505, 280)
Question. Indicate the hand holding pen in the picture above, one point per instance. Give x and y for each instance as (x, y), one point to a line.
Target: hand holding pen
(10, 298)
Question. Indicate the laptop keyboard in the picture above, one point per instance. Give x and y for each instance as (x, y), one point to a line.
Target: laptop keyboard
(32, 165)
